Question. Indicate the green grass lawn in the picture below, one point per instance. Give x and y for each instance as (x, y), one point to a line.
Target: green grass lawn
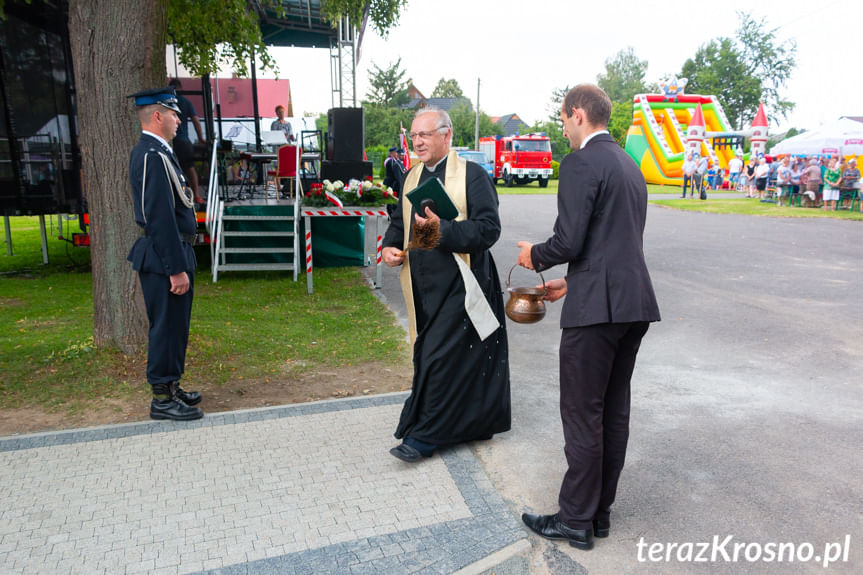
(27, 249)
(660, 189)
(754, 207)
(534, 189)
(245, 326)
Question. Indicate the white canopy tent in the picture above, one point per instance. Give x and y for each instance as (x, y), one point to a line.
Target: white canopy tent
(843, 136)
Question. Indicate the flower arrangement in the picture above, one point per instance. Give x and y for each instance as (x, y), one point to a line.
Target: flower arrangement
(368, 192)
(377, 194)
(315, 196)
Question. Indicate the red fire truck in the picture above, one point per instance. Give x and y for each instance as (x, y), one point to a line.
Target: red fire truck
(519, 159)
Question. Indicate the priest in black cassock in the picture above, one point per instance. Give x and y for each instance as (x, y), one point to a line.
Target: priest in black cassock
(460, 387)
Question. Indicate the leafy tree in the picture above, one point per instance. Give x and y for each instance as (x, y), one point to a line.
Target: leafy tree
(384, 14)
(559, 142)
(744, 71)
(768, 60)
(557, 96)
(212, 34)
(388, 86)
(383, 124)
(717, 68)
(447, 89)
(322, 122)
(463, 119)
(118, 47)
(620, 121)
(623, 77)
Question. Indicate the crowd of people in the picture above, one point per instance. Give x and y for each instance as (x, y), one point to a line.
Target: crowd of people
(822, 181)
(828, 182)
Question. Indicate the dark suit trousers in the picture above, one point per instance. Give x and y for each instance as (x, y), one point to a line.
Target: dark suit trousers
(596, 364)
(687, 181)
(169, 317)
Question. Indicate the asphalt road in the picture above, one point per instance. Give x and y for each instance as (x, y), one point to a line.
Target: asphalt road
(746, 411)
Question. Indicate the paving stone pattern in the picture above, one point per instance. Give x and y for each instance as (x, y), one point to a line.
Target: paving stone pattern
(297, 489)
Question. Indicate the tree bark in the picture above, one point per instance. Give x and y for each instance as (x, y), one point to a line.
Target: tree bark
(118, 47)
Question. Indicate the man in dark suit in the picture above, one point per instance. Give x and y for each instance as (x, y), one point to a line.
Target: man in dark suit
(163, 256)
(182, 144)
(602, 204)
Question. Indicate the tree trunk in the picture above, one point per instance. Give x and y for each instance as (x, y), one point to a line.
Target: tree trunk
(118, 47)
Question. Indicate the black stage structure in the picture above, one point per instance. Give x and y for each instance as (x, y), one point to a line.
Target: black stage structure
(40, 160)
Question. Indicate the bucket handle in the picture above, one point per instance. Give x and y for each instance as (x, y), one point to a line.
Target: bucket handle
(508, 277)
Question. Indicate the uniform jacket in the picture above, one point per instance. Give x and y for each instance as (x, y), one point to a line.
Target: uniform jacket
(159, 212)
(602, 206)
(394, 174)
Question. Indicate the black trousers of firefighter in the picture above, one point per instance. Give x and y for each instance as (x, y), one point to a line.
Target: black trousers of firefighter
(169, 316)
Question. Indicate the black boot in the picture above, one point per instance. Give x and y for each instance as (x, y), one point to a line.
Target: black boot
(188, 397)
(167, 404)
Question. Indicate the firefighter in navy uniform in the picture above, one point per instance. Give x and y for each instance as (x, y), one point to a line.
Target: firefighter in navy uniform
(163, 255)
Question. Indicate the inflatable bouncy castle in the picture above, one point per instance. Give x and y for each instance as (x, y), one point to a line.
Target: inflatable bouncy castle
(666, 127)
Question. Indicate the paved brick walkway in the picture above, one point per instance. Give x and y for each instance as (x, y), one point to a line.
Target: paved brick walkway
(308, 488)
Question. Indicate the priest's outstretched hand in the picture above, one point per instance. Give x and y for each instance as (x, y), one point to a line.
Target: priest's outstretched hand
(393, 257)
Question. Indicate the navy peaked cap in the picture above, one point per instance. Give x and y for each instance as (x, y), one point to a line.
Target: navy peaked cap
(163, 96)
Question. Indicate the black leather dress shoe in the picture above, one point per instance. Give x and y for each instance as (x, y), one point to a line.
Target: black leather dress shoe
(550, 527)
(173, 409)
(188, 397)
(406, 453)
(601, 527)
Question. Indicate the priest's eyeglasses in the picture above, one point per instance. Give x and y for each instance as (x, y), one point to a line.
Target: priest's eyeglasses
(424, 135)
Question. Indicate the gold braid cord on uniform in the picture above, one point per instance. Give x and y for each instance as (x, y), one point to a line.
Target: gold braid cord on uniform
(187, 200)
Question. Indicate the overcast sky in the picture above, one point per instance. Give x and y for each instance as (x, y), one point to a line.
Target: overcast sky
(522, 51)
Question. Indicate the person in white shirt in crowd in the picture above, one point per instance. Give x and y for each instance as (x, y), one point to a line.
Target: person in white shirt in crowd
(688, 172)
(761, 172)
(735, 165)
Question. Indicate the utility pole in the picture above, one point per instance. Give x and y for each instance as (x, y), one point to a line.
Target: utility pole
(476, 125)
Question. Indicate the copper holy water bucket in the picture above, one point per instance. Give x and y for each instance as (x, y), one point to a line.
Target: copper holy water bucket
(525, 304)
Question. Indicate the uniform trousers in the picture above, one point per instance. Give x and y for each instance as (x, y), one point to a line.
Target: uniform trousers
(596, 364)
(169, 317)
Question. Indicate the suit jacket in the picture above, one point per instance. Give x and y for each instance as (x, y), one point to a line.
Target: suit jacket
(159, 212)
(602, 206)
